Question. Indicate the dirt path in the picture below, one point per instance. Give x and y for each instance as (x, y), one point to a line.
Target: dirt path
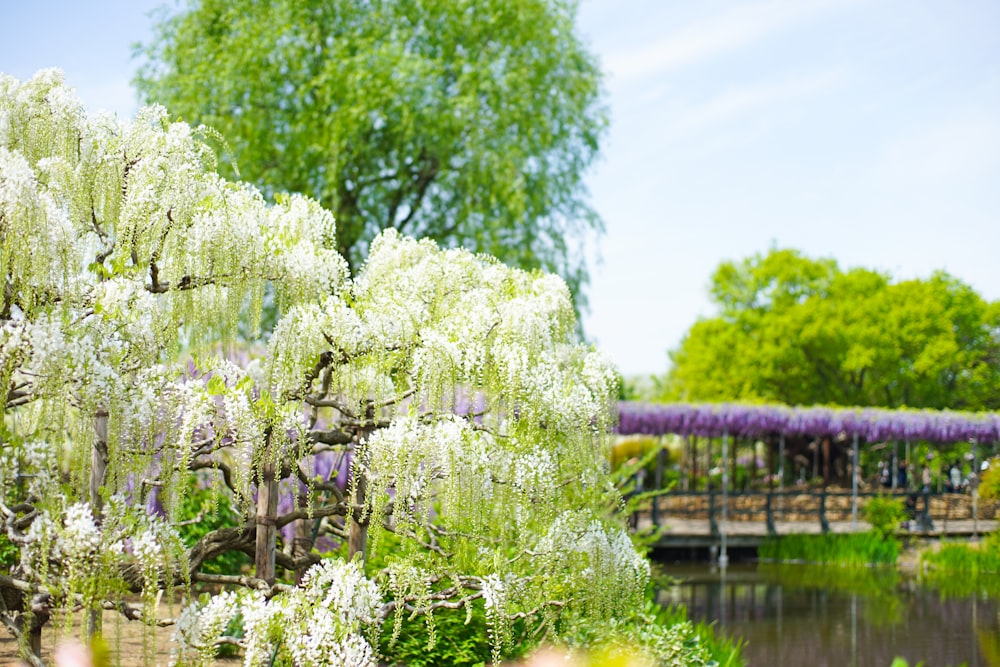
(128, 642)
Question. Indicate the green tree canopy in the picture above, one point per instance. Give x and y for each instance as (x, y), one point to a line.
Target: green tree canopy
(468, 123)
(803, 331)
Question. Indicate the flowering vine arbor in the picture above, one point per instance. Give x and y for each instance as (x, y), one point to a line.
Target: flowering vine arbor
(122, 252)
(712, 420)
(774, 422)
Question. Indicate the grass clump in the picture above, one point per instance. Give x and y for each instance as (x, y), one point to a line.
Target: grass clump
(965, 559)
(848, 549)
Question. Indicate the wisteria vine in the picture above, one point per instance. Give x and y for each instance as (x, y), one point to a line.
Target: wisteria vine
(869, 424)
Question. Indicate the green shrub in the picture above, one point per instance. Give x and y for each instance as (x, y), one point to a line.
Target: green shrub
(885, 514)
(460, 639)
(723, 651)
(675, 643)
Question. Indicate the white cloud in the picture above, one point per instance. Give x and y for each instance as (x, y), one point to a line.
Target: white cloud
(718, 34)
(736, 103)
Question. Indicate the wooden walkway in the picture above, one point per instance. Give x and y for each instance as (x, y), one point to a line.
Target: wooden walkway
(694, 519)
(697, 533)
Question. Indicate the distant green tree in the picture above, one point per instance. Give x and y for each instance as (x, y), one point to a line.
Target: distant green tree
(469, 123)
(802, 331)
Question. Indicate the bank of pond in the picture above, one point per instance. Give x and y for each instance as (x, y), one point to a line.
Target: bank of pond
(867, 599)
(850, 600)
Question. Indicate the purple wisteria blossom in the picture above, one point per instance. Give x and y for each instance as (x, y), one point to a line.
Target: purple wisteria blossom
(870, 424)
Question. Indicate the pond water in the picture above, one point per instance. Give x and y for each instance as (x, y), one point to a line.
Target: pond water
(809, 616)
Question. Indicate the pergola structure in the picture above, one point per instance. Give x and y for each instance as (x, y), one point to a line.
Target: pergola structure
(870, 425)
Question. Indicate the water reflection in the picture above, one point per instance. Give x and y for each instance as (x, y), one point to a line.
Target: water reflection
(802, 616)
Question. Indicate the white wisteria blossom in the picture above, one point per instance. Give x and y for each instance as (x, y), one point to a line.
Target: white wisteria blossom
(317, 624)
(199, 627)
(435, 410)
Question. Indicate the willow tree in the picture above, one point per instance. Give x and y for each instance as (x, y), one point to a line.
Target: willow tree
(475, 427)
(472, 124)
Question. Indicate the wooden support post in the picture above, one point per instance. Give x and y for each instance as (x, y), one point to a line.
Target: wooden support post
(713, 525)
(909, 470)
(302, 540)
(708, 464)
(827, 446)
(823, 523)
(974, 491)
(267, 514)
(687, 468)
(894, 468)
(723, 555)
(816, 453)
(927, 523)
(98, 464)
(658, 484)
(98, 475)
(770, 516)
(855, 474)
(732, 457)
(357, 541)
(267, 531)
(35, 640)
(781, 471)
(658, 473)
(692, 444)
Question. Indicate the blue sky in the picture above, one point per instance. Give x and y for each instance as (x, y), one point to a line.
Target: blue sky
(863, 130)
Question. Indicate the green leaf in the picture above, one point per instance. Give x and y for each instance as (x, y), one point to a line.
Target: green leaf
(216, 386)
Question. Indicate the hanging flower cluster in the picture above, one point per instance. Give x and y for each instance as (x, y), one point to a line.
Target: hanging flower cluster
(452, 388)
(320, 623)
(82, 561)
(583, 551)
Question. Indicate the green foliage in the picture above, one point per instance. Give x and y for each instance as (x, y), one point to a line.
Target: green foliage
(722, 650)
(851, 549)
(960, 569)
(472, 125)
(673, 644)
(953, 558)
(202, 510)
(9, 553)
(962, 558)
(884, 514)
(803, 332)
(633, 458)
(460, 638)
(989, 485)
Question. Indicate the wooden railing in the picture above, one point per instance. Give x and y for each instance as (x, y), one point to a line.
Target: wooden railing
(819, 505)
